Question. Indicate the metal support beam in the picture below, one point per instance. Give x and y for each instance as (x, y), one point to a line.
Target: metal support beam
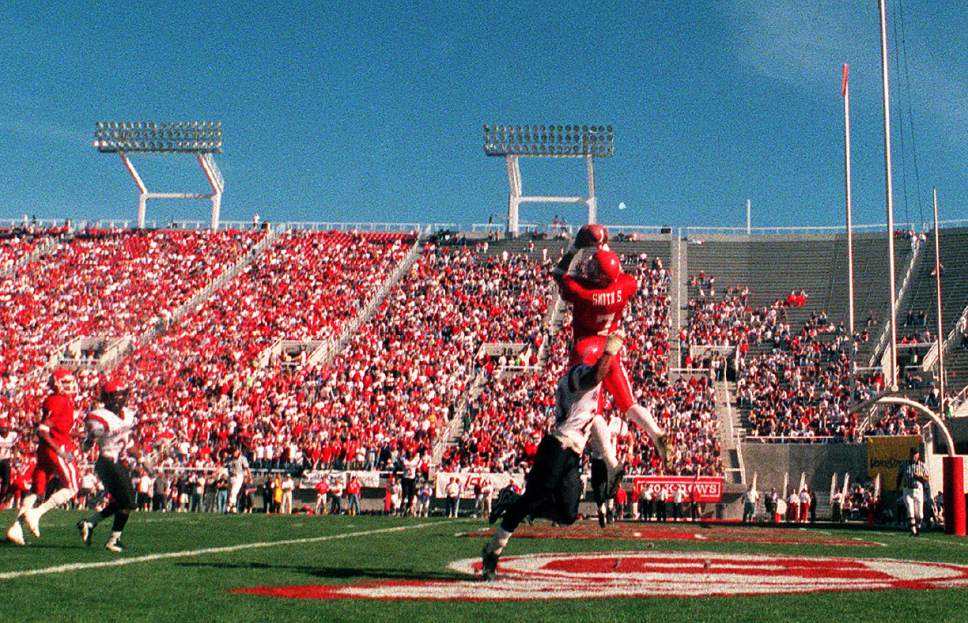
(592, 201)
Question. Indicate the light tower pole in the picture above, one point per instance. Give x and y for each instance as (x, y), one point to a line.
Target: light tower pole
(513, 142)
(203, 139)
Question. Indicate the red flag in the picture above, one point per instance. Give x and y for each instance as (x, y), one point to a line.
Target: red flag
(844, 87)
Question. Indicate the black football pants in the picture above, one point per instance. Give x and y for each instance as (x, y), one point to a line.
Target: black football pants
(553, 490)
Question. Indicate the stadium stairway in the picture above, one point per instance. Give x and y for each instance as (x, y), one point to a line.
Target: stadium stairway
(954, 293)
(731, 433)
(50, 243)
(368, 310)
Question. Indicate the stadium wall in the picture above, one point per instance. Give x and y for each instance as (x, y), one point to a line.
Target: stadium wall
(819, 461)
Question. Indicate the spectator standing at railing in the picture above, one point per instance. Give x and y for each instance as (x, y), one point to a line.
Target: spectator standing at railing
(221, 490)
(425, 494)
(453, 497)
(322, 490)
(804, 504)
(336, 495)
(277, 494)
(793, 506)
(198, 493)
(353, 490)
(487, 496)
(288, 486)
(145, 491)
(749, 505)
(646, 502)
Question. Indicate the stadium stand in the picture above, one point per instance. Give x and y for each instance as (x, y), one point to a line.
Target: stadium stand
(206, 380)
(102, 283)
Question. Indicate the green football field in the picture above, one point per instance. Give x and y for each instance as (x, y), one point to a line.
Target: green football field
(188, 567)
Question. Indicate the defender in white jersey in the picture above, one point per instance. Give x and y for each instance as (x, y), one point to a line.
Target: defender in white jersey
(8, 439)
(110, 427)
(554, 487)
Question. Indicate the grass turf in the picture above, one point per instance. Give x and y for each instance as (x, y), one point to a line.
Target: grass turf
(197, 587)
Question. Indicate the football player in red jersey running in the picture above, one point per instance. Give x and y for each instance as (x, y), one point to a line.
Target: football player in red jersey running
(590, 277)
(55, 457)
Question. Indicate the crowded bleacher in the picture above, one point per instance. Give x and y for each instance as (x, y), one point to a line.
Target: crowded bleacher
(464, 330)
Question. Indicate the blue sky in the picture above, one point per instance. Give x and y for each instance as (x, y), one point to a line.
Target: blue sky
(373, 111)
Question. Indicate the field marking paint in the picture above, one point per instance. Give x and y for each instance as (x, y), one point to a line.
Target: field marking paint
(636, 574)
(191, 553)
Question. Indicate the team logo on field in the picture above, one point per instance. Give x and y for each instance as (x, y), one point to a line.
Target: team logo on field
(647, 574)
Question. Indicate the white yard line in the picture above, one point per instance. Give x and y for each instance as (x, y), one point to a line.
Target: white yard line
(192, 553)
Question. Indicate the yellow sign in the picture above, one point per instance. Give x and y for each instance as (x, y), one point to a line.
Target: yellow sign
(885, 455)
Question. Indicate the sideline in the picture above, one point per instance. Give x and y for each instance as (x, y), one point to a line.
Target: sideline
(84, 566)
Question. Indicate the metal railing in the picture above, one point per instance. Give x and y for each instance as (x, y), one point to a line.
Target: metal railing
(793, 229)
(916, 246)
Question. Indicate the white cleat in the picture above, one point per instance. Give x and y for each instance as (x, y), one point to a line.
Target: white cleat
(114, 546)
(16, 534)
(32, 519)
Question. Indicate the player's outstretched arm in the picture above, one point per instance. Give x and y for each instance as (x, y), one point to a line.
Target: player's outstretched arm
(589, 236)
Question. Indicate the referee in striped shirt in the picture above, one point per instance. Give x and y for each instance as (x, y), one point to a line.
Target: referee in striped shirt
(913, 476)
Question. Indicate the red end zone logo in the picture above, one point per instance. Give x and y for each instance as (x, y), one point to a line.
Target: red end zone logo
(647, 574)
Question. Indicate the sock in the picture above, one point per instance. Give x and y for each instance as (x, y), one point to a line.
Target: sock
(61, 496)
(115, 537)
(643, 418)
(499, 541)
(601, 440)
(27, 503)
(120, 519)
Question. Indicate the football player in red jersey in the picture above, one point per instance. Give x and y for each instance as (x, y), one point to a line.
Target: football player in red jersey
(590, 277)
(55, 457)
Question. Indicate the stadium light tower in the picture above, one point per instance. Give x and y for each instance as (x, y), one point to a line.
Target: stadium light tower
(203, 139)
(548, 141)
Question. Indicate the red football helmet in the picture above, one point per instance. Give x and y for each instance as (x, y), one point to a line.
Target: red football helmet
(588, 351)
(63, 382)
(603, 268)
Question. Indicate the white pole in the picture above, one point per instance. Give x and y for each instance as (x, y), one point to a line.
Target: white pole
(514, 194)
(749, 221)
(890, 194)
(850, 230)
(592, 199)
(937, 280)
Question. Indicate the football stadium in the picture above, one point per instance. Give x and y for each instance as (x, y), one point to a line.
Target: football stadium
(316, 350)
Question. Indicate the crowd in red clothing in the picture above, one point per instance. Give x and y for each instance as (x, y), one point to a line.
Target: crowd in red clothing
(16, 244)
(100, 283)
(208, 381)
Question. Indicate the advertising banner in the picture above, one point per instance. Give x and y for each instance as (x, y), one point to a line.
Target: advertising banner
(709, 488)
(885, 455)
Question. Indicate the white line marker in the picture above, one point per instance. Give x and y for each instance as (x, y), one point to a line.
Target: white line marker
(83, 566)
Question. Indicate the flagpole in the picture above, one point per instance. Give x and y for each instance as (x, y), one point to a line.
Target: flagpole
(850, 229)
(890, 195)
(937, 278)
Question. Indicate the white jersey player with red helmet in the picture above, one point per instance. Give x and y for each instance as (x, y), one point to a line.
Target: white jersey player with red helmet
(590, 277)
(55, 457)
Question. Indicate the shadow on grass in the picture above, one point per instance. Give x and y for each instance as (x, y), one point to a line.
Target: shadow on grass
(333, 573)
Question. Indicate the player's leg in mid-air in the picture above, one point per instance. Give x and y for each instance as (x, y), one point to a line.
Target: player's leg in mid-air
(50, 467)
(553, 491)
(617, 385)
(600, 488)
(118, 485)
